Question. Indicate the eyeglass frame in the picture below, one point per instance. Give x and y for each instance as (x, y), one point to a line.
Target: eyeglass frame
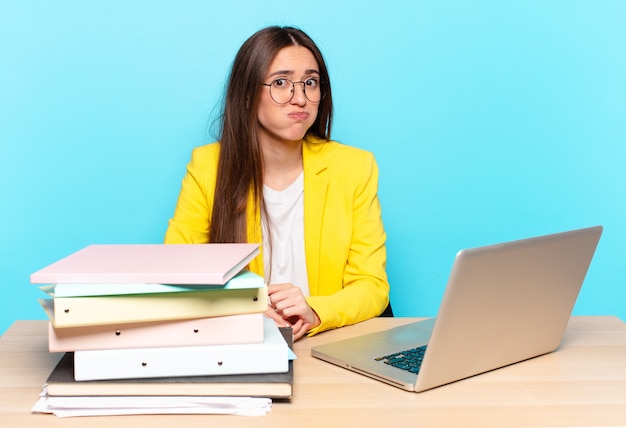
(293, 89)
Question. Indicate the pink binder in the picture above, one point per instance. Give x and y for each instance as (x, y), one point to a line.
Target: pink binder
(232, 329)
(150, 263)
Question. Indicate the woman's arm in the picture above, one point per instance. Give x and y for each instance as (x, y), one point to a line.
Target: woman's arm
(190, 223)
(352, 284)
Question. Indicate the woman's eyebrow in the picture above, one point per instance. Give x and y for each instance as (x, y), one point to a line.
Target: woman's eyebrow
(279, 72)
(291, 72)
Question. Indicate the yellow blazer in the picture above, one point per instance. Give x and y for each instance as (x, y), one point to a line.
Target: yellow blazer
(343, 230)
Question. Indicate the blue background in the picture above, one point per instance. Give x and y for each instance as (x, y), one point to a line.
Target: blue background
(490, 120)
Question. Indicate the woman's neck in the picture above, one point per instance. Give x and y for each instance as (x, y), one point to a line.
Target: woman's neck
(282, 164)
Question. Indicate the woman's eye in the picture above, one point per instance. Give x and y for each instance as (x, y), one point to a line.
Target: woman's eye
(280, 83)
(311, 83)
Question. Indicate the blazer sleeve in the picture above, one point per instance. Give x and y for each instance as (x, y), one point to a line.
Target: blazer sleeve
(353, 284)
(190, 223)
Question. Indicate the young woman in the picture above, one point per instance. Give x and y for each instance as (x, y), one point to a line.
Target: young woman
(276, 178)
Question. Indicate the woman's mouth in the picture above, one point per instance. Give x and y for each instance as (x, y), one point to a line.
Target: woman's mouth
(299, 115)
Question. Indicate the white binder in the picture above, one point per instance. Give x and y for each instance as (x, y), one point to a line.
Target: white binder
(270, 356)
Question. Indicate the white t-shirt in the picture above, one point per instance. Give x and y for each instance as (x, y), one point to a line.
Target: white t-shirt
(283, 250)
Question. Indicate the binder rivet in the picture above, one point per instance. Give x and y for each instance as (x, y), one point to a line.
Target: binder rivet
(195, 330)
(117, 332)
(144, 364)
(67, 311)
(254, 299)
(219, 363)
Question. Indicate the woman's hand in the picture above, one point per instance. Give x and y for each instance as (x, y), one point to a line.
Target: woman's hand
(288, 307)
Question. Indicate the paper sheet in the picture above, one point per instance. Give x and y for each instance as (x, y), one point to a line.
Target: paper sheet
(107, 406)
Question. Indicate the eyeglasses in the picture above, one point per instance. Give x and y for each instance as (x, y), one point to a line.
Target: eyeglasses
(282, 90)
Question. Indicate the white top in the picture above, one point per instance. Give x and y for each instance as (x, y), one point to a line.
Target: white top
(283, 249)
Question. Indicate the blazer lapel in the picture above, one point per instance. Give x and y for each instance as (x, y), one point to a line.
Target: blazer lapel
(315, 187)
(255, 235)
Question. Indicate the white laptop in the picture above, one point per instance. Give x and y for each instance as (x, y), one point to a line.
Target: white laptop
(503, 304)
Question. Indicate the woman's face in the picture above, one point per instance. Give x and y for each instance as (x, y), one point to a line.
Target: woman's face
(288, 122)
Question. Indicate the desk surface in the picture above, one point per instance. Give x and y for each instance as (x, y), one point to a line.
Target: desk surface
(582, 384)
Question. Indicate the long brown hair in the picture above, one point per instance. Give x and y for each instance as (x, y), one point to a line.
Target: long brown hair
(240, 168)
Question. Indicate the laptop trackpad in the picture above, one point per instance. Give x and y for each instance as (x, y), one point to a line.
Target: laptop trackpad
(416, 333)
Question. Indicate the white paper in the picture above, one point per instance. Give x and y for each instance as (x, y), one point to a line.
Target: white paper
(107, 406)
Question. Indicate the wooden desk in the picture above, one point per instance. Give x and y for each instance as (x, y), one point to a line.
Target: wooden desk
(584, 383)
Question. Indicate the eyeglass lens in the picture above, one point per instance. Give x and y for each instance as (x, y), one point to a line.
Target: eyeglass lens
(283, 90)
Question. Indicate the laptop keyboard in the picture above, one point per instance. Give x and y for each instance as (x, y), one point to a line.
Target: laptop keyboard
(409, 360)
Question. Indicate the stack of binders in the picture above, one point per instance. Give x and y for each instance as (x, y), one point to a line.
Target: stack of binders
(163, 320)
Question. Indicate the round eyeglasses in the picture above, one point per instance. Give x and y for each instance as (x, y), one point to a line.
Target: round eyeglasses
(282, 90)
